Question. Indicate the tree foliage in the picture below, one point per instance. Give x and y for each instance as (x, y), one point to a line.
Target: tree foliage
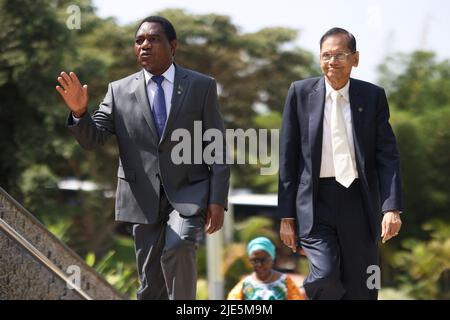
(418, 89)
(253, 71)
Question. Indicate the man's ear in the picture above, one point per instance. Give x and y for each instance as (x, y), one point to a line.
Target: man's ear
(173, 46)
(355, 59)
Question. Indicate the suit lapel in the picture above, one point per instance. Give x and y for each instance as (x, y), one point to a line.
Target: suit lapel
(180, 87)
(140, 92)
(357, 107)
(316, 109)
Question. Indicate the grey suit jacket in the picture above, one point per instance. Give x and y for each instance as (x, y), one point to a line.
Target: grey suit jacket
(377, 157)
(144, 161)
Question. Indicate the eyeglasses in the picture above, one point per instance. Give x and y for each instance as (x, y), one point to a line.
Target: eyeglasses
(341, 56)
(256, 261)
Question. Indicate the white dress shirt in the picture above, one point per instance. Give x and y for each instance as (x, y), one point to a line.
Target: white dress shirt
(167, 84)
(327, 165)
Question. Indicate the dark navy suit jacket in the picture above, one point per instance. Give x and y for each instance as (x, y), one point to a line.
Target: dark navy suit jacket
(377, 157)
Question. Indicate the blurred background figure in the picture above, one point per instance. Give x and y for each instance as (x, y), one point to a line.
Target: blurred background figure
(264, 283)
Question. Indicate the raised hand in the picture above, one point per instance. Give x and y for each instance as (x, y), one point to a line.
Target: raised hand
(75, 96)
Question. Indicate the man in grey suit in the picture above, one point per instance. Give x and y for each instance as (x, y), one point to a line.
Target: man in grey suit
(170, 204)
(339, 186)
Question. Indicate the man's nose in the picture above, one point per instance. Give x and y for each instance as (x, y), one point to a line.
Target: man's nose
(146, 44)
(333, 60)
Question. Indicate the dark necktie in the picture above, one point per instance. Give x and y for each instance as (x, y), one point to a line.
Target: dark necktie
(159, 106)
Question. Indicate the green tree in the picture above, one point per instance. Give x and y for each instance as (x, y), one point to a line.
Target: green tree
(418, 89)
(416, 82)
(30, 30)
(425, 265)
(417, 188)
(37, 151)
(436, 134)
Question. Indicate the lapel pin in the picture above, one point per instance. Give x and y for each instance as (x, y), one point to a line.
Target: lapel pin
(179, 90)
(360, 109)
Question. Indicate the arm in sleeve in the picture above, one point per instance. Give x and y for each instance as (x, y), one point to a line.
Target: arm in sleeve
(387, 159)
(92, 131)
(289, 157)
(219, 169)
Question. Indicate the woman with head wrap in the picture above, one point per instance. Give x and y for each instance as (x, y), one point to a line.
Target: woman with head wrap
(264, 283)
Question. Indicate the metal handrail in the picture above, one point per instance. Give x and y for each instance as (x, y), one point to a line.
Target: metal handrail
(42, 258)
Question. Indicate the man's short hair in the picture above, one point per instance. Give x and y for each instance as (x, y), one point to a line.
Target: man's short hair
(351, 43)
(167, 26)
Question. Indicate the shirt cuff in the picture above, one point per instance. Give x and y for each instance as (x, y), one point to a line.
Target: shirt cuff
(384, 211)
(75, 119)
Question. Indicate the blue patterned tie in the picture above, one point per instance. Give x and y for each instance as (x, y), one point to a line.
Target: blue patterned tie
(159, 106)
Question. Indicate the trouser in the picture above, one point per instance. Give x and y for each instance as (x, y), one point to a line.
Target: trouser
(166, 254)
(340, 247)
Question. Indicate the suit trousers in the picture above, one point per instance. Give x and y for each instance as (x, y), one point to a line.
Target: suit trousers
(340, 246)
(166, 254)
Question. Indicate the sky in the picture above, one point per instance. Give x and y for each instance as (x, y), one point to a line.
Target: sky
(381, 27)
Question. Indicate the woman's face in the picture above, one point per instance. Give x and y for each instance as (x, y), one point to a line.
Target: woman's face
(262, 264)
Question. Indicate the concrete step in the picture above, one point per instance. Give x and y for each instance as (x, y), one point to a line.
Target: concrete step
(34, 264)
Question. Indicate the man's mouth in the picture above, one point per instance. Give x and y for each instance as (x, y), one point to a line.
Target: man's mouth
(145, 54)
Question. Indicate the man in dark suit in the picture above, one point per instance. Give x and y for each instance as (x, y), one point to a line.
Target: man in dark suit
(169, 203)
(339, 174)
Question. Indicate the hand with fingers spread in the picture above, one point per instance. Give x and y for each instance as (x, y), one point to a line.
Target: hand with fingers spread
(390, 225)
(75, 96)
(288, 234)
(214, 218)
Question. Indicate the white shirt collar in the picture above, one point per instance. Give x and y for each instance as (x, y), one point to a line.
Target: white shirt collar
(169, 75)
(344, 91)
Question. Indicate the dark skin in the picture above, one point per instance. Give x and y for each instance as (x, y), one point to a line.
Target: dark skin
(263, 269)
(154, 52)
